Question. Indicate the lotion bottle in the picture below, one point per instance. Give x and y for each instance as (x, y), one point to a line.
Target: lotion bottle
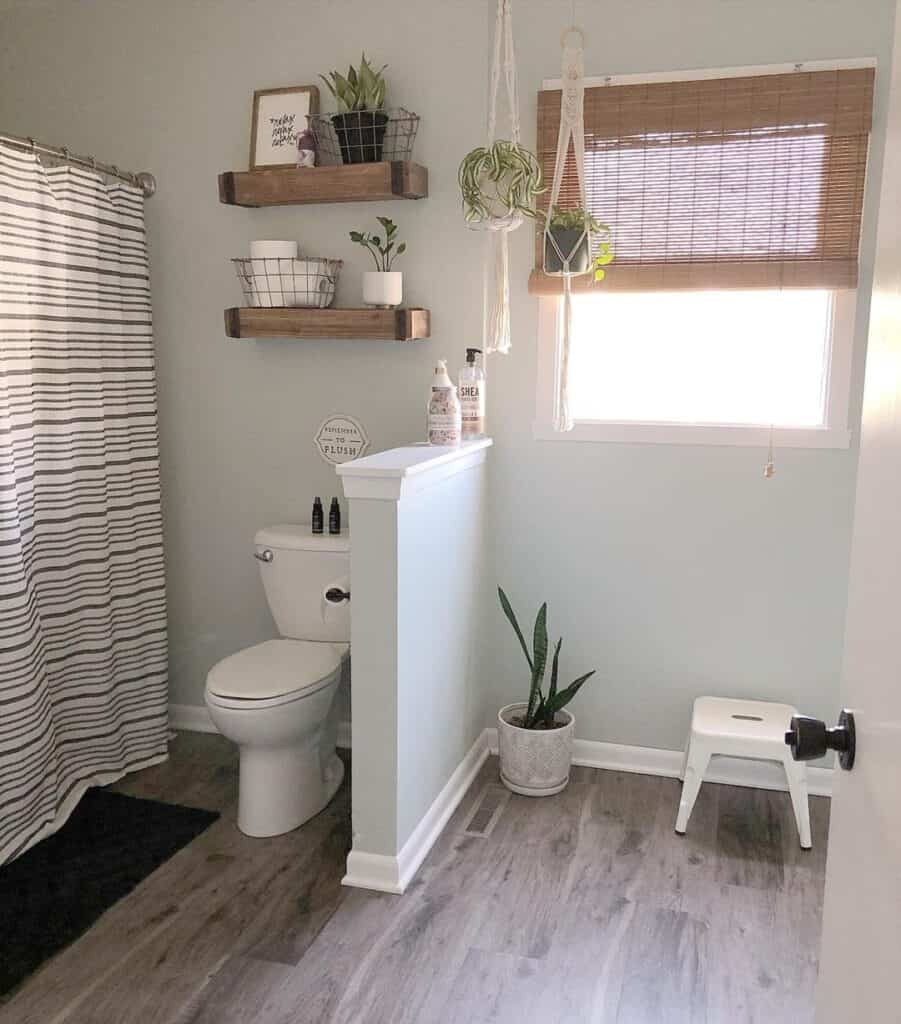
(472, 395)
(444, 409)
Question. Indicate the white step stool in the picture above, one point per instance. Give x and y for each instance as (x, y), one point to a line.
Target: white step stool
(742, 728)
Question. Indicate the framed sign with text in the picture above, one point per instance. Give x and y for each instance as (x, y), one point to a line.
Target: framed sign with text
(341, 438)
(279, 116)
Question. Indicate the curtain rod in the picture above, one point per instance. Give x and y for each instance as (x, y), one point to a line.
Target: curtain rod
(143, 179)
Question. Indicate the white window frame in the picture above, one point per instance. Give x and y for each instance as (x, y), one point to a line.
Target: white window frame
(835, 433)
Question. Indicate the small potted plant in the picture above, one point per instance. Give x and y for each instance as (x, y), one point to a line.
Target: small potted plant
(361, 122)
(382, 287)
(535, 738)
(567, 243)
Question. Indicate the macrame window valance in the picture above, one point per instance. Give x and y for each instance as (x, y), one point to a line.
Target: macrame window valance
(750, 182)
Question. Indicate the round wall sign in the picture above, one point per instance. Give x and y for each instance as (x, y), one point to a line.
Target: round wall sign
(341, 438)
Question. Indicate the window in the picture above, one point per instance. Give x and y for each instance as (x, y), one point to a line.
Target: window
(735, 205)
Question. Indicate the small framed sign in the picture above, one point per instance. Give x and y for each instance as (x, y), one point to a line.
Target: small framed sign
(279, 116)
(341, 438)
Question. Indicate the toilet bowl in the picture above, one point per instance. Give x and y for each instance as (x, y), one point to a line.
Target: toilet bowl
(276, 700)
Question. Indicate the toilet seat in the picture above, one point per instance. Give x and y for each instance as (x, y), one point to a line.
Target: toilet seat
(274, 672)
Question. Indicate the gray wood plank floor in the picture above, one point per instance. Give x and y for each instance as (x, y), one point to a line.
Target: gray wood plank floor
(584, 907)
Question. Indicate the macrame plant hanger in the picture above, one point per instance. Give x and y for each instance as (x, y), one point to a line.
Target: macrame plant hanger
(496, 308)
(572, 127)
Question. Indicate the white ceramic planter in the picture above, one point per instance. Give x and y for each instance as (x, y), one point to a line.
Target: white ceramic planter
(534, 762)
(383, 289)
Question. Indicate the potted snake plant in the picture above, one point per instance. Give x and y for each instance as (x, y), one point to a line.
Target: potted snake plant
(535, 737)
(361, 121)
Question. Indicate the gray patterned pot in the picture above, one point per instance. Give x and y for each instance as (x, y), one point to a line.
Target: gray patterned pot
(534, 762)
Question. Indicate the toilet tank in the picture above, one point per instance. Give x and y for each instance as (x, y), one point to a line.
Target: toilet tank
(298, 567)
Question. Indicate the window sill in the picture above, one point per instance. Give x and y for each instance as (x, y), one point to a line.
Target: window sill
(694, 434)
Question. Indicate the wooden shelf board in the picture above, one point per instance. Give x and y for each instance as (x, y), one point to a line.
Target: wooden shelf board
(348, 183)
(294, 322)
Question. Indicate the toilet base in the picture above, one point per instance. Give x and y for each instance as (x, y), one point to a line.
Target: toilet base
(281, 788)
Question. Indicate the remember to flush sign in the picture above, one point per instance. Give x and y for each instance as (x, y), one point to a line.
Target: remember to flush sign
(341, 438)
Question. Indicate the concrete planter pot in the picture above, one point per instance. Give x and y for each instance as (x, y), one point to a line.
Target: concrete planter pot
(534, 762)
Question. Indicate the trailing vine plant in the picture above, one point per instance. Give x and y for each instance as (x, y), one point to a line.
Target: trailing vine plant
(499, 181)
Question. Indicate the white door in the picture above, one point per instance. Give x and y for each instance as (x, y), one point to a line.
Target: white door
(860, 966)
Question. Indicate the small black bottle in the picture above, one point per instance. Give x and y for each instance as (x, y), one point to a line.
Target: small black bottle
(334, 517)
(317, 515)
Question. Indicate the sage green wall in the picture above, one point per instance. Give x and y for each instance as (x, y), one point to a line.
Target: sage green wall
(675, 570)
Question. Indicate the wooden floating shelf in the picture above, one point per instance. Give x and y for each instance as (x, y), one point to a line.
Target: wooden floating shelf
(293, 322)
(347, 183)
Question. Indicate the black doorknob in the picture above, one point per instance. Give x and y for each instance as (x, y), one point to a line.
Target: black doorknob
(809, 739)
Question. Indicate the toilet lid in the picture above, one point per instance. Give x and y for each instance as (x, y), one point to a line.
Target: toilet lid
(276, 668)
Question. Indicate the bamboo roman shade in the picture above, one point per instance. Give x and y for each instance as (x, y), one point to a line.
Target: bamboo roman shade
(750, 182)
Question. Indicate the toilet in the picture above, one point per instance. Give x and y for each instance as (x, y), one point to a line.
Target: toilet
(276, 700)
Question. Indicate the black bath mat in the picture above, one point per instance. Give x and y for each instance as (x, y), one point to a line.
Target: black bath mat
(58, 888)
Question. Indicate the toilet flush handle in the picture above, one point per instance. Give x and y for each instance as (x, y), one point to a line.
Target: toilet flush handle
(263, 556)
(335, 595)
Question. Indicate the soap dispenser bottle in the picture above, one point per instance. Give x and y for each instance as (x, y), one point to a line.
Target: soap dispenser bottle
(444, 409)
(472, 395)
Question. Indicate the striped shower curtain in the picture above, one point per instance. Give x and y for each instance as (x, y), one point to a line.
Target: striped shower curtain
(82, 600)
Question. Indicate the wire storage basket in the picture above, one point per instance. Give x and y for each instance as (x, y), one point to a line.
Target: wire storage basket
(365, 136)
(281, 281)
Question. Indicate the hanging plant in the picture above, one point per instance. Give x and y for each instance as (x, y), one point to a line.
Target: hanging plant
(568, 239)
(499, 183)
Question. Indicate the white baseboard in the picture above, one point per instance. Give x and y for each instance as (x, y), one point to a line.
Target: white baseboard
(190, 718)
(730, 771)
(619, 757)
(393, 874)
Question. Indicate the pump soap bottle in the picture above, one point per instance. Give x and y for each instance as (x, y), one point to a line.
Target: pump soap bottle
(472, 395)
(444, 409)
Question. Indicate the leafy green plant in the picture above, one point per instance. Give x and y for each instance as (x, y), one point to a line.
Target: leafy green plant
(384, 255)
(579, 219)
(575, 219)
(360, 89)
(499, 180)
(541, 708)
(603, 258)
